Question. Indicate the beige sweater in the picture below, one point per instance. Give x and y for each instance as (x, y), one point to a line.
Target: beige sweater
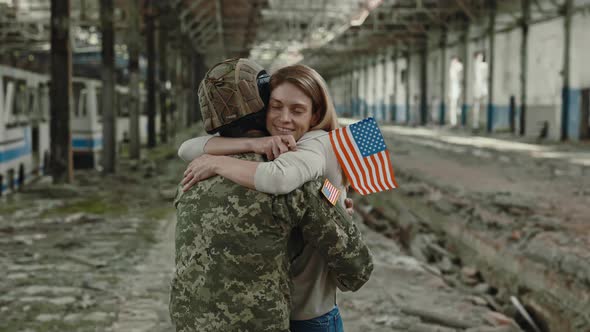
(314, 288)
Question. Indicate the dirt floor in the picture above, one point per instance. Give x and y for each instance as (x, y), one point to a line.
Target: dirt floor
(97, 255)
(520, 217)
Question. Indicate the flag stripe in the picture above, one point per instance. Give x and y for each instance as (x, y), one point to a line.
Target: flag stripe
(371, 162)
(380, 176)
(383, 169)
(355, 157)
(389, 168)
(344, 162)
(360, 185)
(332, 191)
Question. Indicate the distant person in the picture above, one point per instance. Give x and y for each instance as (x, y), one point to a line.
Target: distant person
(232, 258)
(300, 109)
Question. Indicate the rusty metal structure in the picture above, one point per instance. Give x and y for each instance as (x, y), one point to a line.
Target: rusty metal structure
(273, 32)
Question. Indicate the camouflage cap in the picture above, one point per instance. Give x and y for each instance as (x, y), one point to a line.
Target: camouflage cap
(231, 90)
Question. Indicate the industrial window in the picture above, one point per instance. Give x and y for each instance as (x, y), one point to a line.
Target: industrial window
(32, 107)
(20, 98)
(99, 102)
(78, 98)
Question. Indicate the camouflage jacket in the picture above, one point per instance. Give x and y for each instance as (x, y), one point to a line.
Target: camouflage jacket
(232, 265)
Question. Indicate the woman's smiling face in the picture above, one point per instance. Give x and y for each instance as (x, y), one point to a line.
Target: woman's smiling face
(289, 111)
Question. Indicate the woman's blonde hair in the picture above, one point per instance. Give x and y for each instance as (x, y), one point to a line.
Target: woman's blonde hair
(312, 85)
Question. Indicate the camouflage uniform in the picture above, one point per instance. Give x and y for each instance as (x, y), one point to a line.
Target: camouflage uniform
(232, 263)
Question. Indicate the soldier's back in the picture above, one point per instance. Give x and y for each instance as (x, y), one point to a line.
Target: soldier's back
(231, 264)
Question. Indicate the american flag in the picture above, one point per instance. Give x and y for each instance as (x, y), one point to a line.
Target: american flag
(363, 156)
(330, 191)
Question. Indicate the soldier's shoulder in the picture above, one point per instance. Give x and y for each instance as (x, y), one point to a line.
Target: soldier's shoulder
(313, 187)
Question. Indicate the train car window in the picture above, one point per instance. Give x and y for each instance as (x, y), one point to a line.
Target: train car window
(6, 80)
(32, 107)
(123, 105)
(99, 102)
(83, 106)
(20, 98)
(44, 100)
(77, 87)
(35, 139)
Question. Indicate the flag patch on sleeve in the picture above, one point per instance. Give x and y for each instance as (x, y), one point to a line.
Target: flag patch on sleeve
(330, 192)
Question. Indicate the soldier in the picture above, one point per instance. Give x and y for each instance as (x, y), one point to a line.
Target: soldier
(232, 260)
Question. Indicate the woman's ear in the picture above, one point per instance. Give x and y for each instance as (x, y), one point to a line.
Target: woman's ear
(315, 118)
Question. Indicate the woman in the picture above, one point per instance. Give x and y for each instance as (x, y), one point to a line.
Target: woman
(300, 109)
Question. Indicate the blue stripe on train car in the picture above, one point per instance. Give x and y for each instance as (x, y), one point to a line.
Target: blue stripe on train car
(86, 143)
(11, 154)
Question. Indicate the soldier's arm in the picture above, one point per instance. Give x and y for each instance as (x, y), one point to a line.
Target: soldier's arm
(333, 232)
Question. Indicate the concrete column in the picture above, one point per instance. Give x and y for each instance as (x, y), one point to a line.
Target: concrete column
(351, 91)
(109, 149)
(408, 84)
(198, 73)
(565, 92)
(367, 89)
(492, 36)
(424, 84)
(464, 84)
(134, 45)
(376, 87)
(526, 16)
(61, 161)
(163, 78)
(395, 91)
(385, 107)
(151, 73)
(443, 96)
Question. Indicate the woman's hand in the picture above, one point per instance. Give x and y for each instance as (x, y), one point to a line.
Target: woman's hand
(199, 169)
(349, 204)
(274, 146)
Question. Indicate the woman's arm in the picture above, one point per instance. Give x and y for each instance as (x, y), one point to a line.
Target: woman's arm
(271, 146)
(291, 170)
(286, 173)
(283, 175)
(237, 170)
